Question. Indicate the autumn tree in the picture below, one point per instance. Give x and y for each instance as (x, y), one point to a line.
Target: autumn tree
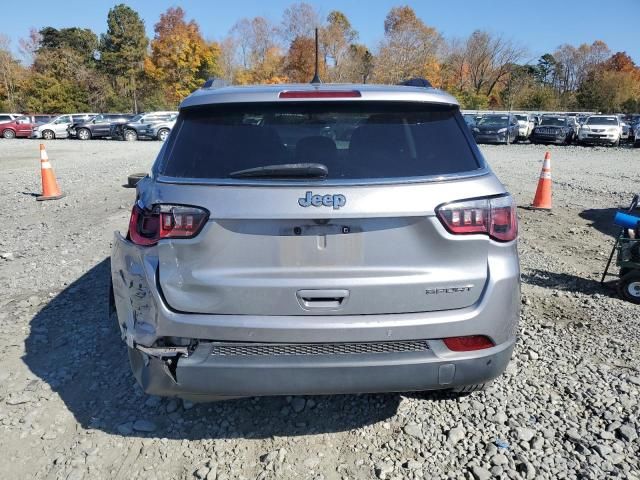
(260, 56)
(336, 39)
(358, 64)
(123, 49)
(299, 21)
(299, 64)
(409, 48)
(180, 58)
(11, 73)
(613, 87)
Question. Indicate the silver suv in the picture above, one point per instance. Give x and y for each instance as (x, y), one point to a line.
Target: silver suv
(301, 239)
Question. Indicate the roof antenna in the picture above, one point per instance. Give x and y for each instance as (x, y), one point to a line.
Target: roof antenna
(316, 77)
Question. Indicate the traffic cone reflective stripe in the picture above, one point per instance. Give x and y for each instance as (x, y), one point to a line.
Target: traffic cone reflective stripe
(542, 199)
(50, 188)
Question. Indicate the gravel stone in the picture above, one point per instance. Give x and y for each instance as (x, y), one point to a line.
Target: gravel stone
(572, 380)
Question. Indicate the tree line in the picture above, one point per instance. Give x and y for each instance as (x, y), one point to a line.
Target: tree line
(74, 69)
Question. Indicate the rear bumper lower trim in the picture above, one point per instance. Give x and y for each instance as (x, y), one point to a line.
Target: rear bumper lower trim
(209, 377)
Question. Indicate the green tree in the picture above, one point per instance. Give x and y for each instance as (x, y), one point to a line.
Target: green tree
(81, 40)
(123, 49)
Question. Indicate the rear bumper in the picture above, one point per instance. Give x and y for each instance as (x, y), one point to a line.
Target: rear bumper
(144, 318)
(205, 376)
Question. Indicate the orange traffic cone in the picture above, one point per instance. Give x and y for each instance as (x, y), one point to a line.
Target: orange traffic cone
(50, 188)
(542, 200)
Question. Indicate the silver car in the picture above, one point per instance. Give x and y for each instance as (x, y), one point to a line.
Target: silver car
(301, 239)
(58, 127)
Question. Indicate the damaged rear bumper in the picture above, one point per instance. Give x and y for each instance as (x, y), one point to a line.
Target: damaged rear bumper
(206, 376)
(189, 366)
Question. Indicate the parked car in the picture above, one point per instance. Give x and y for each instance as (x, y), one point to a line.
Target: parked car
(57, 128)
(8, 117)
(20, 127)
(129, 131)
(555, 129)
(39, 118)
(326, 267)
(470, 120)
(601, 129)
(156, 131)
(526, 124)
(98, 126)
(496, 128)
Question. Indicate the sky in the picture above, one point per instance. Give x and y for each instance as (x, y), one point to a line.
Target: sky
(538, 25)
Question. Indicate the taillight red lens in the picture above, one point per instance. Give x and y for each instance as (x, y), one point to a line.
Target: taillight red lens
(494, 216)
(468, 343)
(147, 226)
(320, 94)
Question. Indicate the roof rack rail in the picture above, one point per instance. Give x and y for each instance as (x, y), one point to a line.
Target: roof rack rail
(417, 82)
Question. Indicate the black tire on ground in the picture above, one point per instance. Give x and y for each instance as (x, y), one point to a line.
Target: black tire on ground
(472, 388)
(48, 135)
(163, 133)
(134, 178)
(629, 286)
(83, 134)
(8, 133)
(130, 135)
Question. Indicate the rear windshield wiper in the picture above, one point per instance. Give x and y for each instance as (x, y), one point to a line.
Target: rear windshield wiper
(284, 170)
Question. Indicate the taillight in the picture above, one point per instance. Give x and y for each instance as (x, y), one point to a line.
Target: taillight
(493, 216)
(468, 343)
(147, 226)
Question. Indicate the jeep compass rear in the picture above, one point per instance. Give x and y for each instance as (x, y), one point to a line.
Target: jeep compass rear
(317, 239)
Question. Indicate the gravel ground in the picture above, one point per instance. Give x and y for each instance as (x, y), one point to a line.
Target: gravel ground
(568, 406)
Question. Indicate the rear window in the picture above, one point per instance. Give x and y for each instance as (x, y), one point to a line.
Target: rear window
(354, 140)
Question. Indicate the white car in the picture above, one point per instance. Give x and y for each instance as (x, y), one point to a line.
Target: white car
(8, 117)
(526, 124)
(57, 128)
(601, 129)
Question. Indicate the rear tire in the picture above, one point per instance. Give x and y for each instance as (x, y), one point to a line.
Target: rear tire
(48, 135)
(9, 134)
(472, 388)
(629, 286)
(83, 134)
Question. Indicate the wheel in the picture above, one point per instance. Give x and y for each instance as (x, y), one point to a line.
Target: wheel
(48, 135)
(83, 134)
(130, 135)
(163, 133)
(629, 286)
(134, 178)
(472, 388)
(616, 143)
(8, 133)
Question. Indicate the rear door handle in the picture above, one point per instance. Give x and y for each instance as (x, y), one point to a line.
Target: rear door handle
(330, 299)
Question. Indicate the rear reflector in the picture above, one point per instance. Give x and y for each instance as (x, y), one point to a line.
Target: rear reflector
(320, 94)
(493, 216)
(468, 343)
(147, 226)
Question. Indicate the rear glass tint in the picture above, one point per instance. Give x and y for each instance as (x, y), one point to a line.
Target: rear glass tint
(354, 140)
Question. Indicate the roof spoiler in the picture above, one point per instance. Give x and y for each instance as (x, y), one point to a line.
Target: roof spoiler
(417, 82)
(213, 82)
